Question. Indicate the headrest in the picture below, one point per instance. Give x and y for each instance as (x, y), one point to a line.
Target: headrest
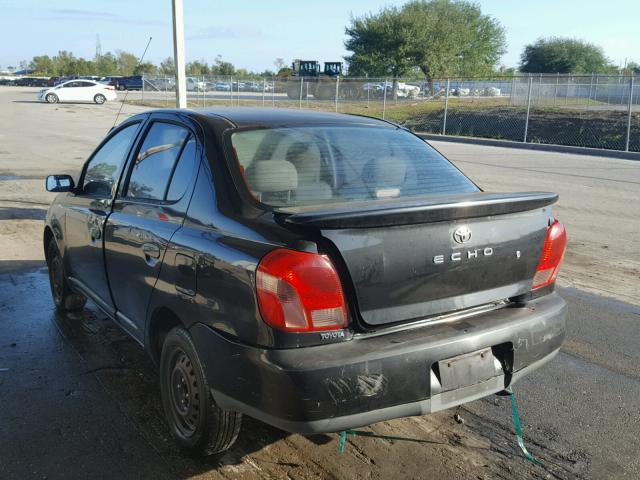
(383, 172)
(272, 176)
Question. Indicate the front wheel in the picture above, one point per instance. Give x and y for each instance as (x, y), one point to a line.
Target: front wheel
(197, 423)
(99, 99)
(51, 98)
(63, 297)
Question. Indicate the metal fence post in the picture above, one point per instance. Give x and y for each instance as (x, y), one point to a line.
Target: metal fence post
(626, 148)
(446, 108)
(539, 89)
(590, 90)
(143, 89)
(301, 84)
(264, 87)
(513, 90)
(273, 92)
(204, 92)
(526, 121)
(231, 91)
(337, 91)
(384, 98)
(555, 93)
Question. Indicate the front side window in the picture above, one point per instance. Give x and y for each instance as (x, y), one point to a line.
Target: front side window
(328, 164)
(156, 160)
(103, 170)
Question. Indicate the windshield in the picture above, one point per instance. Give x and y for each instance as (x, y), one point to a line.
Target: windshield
(326, 164)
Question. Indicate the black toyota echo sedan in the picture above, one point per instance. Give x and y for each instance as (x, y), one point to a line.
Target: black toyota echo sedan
(315, 271)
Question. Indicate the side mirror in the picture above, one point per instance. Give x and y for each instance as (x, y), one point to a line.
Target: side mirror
(60, 183)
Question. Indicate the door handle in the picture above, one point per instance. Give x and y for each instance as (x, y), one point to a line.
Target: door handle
(151, 250)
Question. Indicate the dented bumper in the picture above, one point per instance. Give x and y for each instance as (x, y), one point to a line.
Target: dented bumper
(368, 379)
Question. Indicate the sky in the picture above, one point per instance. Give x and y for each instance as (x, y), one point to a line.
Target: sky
(252, 34)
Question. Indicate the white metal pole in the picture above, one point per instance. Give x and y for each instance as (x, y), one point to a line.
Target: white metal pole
(384, 98)
(446, 108)
(337, 91)
(630, 108)
(178, 54)
(526, 121)
(301, 85)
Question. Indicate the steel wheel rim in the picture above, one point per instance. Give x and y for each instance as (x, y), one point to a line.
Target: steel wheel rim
(56, 277)
(183, 394)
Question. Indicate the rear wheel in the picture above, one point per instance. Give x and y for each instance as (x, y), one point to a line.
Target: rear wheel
(99, 99)
(197, 423)
(64, 298)
(293, 92)
(51, 98)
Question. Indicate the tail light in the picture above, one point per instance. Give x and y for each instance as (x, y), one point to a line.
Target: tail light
(300, 292)
(552, 255)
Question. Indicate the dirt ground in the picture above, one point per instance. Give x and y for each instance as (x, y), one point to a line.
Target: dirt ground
(599, 199)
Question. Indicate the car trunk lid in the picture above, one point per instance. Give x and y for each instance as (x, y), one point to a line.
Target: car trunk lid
(413, 259)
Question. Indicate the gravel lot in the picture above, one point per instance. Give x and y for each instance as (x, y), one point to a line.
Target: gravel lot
(80, 399)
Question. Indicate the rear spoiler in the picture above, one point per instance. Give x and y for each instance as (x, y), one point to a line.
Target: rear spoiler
(410, 211)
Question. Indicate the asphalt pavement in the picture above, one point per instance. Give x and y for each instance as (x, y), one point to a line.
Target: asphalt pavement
(80, 400)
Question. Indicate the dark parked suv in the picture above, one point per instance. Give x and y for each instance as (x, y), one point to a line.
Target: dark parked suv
(316, 271)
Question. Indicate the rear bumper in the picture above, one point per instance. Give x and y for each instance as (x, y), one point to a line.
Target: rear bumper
(368, 379)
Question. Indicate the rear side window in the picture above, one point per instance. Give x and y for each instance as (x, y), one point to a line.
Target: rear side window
(183, 172)
(156, 160)
(318, 165)
(104, 168)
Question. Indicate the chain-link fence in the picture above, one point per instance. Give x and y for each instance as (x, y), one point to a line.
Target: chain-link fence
(600, 111)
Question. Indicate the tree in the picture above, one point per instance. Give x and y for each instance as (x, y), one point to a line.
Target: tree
(380, 44)
(631, 68)
(222, 68)
(42, 65)
(439, 37)
(64, 63)
(127, 62)
(453, 38)
(563, 55)
(105, 65)
(279, 64)
(167, 66)
(145, 68)
(197, 67)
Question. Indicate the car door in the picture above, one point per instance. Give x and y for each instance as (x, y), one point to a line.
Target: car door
(86, 210)
(65, 91)
(148, 211)
(86, 91)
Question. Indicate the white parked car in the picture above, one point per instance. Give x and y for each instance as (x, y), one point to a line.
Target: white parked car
(78, 91)
(407, 91)
(195, 85)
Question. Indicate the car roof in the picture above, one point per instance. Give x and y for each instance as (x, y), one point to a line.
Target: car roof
(78, 80)
(281, 117)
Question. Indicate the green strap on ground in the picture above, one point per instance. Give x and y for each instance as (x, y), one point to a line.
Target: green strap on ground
(343, 439)
(516, 425)
(518, 429)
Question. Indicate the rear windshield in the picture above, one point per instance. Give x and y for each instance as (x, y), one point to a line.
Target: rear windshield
(327, 164)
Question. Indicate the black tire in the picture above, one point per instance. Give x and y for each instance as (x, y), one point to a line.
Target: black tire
(51, 98)
(99, 99)
(293, 92)
(121, 87)
(326, 92)
(197, 423)
(65, 299)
